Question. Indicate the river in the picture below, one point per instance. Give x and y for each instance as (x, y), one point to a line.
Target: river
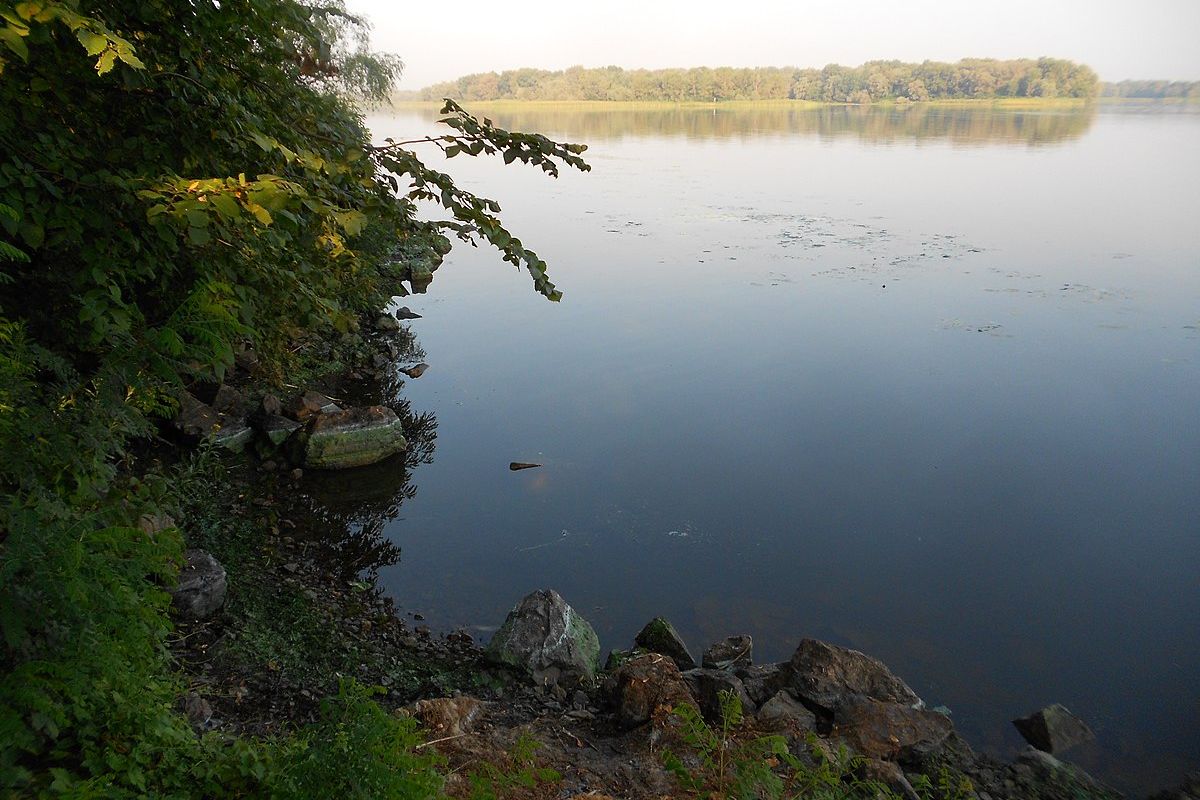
(924, 381)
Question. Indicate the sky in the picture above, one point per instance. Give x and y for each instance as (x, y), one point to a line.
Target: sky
(1118, 38)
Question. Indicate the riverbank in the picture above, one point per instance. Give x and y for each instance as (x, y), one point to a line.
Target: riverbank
(1014, 103)
(303, 615)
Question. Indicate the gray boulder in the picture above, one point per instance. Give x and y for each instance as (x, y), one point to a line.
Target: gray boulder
(823, 674)
(546, 639)
(660, 636)
(708, 686)
(232, 433)
(1039, 774)
(195, 418)
(1053, 729)
(762, 681)
(785, 711)
(387, 324)
(731, 653)
(231, 402)
(351, 438)
(202, 586)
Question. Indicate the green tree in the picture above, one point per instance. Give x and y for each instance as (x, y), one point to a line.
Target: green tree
(179, 180)
(979, 78)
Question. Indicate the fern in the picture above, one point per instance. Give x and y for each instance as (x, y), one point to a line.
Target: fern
(763, 768)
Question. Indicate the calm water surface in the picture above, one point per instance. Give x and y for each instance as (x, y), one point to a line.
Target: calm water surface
(921, 382)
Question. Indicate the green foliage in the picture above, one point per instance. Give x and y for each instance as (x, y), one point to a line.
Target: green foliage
(358, 752)
(476, 215)
(947, 785)
(873, 81)
(179, 180)
(731, 764)
(215, 186)
(86, 688)
(519, 771)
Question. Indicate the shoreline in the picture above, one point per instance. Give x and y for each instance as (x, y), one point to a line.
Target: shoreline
(1015, 103)
(296, 625)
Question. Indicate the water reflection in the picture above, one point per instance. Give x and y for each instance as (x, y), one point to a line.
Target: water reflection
(933, 401)
(959, 125)
(348, 511)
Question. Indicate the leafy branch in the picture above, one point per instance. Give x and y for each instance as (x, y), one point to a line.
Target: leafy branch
(474, 215)
(94, 35)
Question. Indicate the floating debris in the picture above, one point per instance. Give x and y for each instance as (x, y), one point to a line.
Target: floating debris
(519, 465)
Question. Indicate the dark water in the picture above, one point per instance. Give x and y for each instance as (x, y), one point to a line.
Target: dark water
(922, 382)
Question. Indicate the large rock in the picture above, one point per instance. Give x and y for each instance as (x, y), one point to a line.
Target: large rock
(545, 638)
(195, 419)
(351, 438)
(762, 681)
(783, 711)
(232, 433)
(660, 636)
(1039, 774)
(202, 586)
(1053, 729)
(646, 687)
(823, 674)
(731, 653)
(231, 402)
(889, 774)
(198, 420)
(708, 687)
(889, 731)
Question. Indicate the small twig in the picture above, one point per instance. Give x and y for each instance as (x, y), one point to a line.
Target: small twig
(448, 137)
(579, 740)
(443, 739)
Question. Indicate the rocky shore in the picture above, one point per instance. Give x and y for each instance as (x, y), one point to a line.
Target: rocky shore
(268, 624)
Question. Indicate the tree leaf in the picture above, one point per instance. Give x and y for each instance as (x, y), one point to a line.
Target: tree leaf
(93, 43)
(226, 205)
(260, 213)
(105, 62)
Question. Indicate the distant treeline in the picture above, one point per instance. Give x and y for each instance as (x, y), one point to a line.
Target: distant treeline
(1153, 90)
(972, 78)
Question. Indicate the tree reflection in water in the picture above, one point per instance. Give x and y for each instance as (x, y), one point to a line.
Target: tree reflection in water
(967, 124)
(346, 512)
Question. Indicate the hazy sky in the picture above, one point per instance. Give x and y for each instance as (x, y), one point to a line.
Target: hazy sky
(441, 40)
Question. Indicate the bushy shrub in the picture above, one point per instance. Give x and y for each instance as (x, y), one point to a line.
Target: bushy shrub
(178, 180)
